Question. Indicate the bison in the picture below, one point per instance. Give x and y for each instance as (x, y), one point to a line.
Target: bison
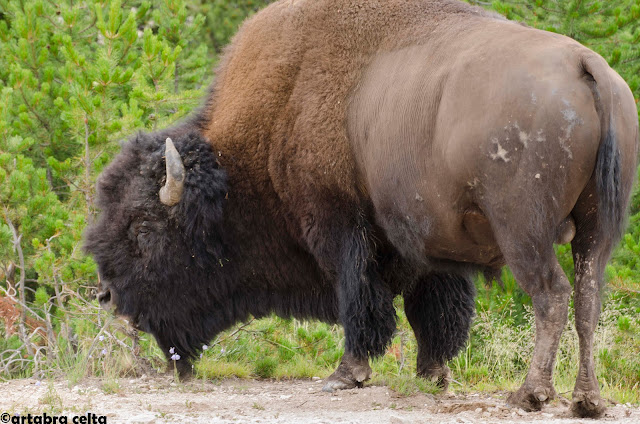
(353, 150)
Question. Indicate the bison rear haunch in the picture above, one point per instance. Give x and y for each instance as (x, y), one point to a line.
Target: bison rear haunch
(351, 151)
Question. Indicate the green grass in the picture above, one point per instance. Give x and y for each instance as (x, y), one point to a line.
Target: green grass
(496, 357)
(405, 384)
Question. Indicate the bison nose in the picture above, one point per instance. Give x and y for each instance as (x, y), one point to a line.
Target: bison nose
(105, 299)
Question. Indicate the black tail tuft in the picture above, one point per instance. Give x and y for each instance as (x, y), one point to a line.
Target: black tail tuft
(611, 202)
(610, 187)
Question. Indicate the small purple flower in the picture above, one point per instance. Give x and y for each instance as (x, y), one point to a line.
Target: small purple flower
(104, 352)
(222, 350)
(201, 356)
(101, 338)
(205, 347)
(175, 357)
(38, 383)
(172, 350)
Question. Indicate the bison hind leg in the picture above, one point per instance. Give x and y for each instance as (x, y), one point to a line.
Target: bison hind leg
(440, 308)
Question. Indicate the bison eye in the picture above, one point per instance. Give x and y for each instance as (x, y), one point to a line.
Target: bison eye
(144, 228)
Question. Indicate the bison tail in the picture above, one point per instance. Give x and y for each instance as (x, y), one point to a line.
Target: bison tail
(611, 204)
(607, 173)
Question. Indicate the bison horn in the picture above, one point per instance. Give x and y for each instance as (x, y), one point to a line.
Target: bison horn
(171, 192)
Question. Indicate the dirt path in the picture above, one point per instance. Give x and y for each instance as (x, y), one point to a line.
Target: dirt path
(159, 400)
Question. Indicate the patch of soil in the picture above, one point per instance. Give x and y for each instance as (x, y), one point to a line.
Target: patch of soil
(159, 399)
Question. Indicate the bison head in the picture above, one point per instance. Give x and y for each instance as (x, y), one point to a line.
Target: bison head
(158, 238)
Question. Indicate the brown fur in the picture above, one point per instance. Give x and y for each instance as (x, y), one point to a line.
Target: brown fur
(293, 136)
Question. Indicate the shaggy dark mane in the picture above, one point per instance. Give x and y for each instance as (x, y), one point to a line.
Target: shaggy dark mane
(161, 246)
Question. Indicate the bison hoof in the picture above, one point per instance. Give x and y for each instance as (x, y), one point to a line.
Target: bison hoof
(531, 400)
(342, 384)
(587, 405)
(441, 376)
(349, 374)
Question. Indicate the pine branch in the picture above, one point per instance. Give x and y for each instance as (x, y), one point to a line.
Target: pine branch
(18, 249)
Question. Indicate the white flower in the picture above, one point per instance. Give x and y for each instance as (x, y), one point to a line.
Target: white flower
(175, 357)
(101, 338)
(172, 350)
(205, 347)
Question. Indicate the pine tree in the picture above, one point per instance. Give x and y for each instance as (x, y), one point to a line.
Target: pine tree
(224, 17)
(77, 78)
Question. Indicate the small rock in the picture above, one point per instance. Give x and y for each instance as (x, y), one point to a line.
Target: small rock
(486, 414)
(315, 379)
(547, 414)
(478, 410)
(285, 396)
(521, 412)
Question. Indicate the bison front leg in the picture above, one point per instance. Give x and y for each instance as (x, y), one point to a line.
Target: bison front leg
(366, 310)
(440, 308)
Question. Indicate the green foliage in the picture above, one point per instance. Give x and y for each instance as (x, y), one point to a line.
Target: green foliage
(78, 78)
(265, 367)
(224, 17)
(625, 265)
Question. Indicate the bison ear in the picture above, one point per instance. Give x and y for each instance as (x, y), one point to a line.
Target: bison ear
(171, 192)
